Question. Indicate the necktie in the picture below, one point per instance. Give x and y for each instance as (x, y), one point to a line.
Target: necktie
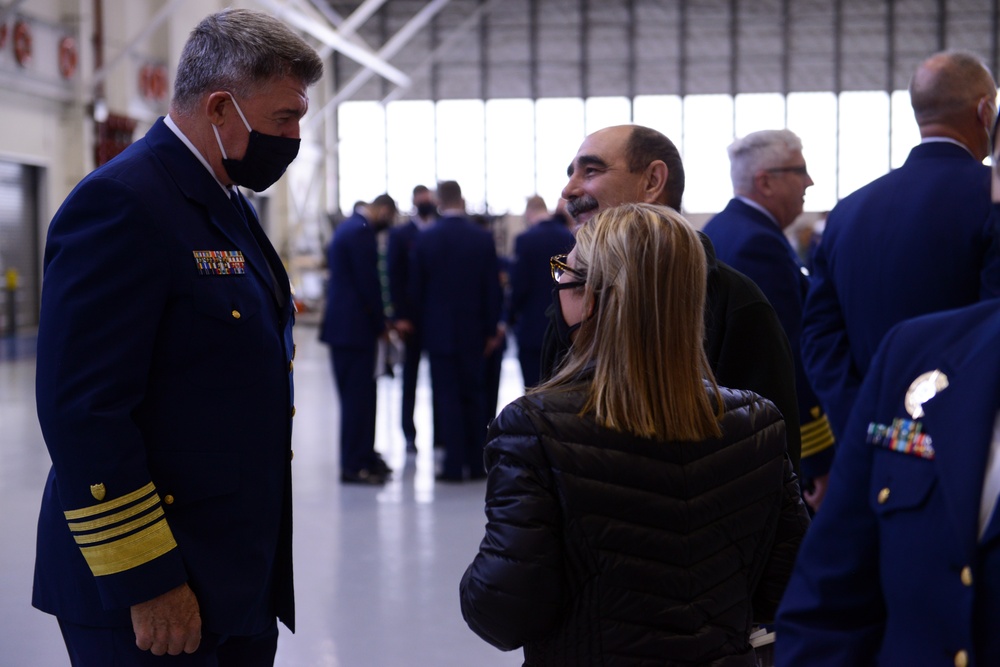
(253, 227)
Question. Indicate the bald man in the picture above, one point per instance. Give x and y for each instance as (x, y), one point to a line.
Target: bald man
(915, 241)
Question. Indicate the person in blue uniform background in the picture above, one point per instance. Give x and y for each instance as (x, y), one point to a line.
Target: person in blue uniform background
(354, 320)
(770, 179)
(918, 240)
(546, 236)
(164, 378)
(398, 251)
(454, 277)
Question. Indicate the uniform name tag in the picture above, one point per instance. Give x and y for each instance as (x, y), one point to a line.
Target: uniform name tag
(220, 262)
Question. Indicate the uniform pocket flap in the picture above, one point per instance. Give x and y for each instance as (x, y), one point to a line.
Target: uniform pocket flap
(900, 482)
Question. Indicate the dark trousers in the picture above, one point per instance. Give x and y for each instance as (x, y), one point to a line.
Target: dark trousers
(411, 366)
(491, 383)
(354, 373)
(457, 383)
(115, 647)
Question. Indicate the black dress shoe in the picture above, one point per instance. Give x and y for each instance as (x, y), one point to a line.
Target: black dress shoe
(380, 466)
(363, 476)
(451, 479)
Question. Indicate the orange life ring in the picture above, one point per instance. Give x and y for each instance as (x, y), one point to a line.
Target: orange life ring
(67, 57)
(22, 43)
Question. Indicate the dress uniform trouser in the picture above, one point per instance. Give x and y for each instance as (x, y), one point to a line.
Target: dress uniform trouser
(457, 381)
(354, 373)
(115, 647)
(411, 366)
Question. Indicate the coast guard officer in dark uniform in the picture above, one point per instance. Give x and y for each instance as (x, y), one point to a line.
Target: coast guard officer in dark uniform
(770, 180)
(902, 566)
(454, 282)
(164, 380)
(918, 240)
(353, 322)
(397, 260)
(530, 283)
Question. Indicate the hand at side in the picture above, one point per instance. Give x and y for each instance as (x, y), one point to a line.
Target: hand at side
(170, 623)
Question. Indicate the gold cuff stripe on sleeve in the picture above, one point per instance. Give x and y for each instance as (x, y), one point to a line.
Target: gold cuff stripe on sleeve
(816, 436)
(117, 517)
(100, 508)
(103, 535)
(130, 552)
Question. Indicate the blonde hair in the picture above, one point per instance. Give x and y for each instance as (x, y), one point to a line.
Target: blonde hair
(645, 274)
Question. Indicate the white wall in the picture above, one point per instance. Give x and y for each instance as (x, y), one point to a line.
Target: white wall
(46, 120)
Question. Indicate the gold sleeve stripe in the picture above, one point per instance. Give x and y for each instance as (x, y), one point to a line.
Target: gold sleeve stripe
(821, 423)
(117, 517)
(816, 436)
(103, 535)
(100, 508)
(130, 552)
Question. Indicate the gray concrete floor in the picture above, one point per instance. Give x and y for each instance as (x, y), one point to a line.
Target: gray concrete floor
(377, 569)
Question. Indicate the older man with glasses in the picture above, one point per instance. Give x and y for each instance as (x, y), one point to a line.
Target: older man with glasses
(770, 179)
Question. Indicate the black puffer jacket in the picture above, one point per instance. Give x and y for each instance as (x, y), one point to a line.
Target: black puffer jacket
(605, 549)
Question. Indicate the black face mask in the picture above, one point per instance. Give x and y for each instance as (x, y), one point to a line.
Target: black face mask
(563, 329)
(265, 160)
(426, 209)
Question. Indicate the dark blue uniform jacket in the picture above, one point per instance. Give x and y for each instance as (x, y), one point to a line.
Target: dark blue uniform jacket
(893, 570)
(164, 391)
(752, 243)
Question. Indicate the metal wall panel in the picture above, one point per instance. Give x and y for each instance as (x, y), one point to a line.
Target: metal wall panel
(584, 48)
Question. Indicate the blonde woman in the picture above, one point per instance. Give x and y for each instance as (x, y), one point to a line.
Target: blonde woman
(637, 512)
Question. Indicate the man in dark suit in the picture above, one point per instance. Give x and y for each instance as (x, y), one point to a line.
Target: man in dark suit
(398, 260)
(769, 182)
(164, 379)
(918, 240)
(353, 322)
(454, 282)
(902, 566)
(531, 284)
(744, 341)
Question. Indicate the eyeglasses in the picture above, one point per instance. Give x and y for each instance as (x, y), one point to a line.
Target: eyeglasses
(799, 169)
(558, 268)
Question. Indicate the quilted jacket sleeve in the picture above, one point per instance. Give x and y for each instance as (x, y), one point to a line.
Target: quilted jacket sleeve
(514, 590)
(793, 520)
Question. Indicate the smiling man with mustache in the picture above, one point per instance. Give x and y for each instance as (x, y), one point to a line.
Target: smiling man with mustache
(745, 343)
